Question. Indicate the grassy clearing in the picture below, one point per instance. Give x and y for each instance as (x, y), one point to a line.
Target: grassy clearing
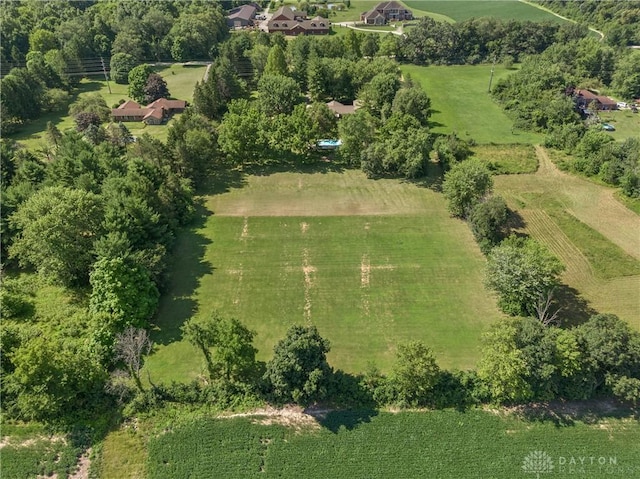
(461, 104)
(123, 455)
(459, 10)
(366, 444)
(180, 81)
(371, 263)
(627, 124)
(508, 159)
(594, 235)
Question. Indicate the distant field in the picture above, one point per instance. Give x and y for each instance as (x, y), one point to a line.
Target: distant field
(370, 444)
(371, 263)
(180, 81)
(461, 103)
(459, 10)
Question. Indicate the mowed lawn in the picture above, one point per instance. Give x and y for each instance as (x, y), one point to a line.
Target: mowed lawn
(180, 80)
(461, 103)
(595, 236)
(367, 444)
(370, 263)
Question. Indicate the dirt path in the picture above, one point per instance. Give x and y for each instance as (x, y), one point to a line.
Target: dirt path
(594, 205)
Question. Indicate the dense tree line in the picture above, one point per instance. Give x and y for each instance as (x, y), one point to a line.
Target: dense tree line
(620, 21)
(479, 40)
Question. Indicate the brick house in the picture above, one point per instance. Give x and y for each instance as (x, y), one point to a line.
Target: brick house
(294, 22)
(588, 99)
(153, 114)
(385, 12)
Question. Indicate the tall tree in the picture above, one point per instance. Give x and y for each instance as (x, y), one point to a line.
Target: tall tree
(276, 62)
(278, 94)
(137, 80)
(521, 271)
(155, 88)
(56, 230)
(464, 185)
(415, 373)
(299, 370)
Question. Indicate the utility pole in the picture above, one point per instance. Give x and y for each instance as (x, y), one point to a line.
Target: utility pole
(106, 77)
(493, 67)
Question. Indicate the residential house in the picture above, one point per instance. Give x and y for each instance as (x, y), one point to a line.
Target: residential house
(340, 109)
(587, 99)
(386, 12)
(294, 22)
(241, 17)
(153, 114)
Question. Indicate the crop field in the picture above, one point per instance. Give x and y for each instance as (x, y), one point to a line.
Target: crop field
(461, 103)
(371, 263)
(370, 444)
(180, 81)
(459, 10)
(595, 236)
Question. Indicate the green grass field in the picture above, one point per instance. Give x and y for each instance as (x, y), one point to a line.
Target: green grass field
(180, 81)
(368, 444)
(461, 103)
(371, 263)
(507, 159)
(459, 10)
(595, 236)
(626, 123)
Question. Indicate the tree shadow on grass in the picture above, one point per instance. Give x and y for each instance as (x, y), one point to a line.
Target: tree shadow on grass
(575, 309)
(566, 413)
(222, 181)
(187, 266)
(348, 419)
(432, 178)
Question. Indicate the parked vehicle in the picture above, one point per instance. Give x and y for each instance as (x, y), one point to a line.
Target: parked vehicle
(608, 127)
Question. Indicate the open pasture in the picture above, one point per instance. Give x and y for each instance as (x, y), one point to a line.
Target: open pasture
(368, 444)
(371, 263)
(461, 103)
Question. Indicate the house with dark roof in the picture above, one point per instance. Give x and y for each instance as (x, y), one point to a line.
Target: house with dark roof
(588, 99)
(385, 12)
(153, 114)
(241, 17)
(295, 22)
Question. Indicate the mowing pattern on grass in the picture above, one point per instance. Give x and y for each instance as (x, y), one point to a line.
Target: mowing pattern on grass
(365, 444)
(366, 281)
(595, 236)
(461, 103)
(460, 10)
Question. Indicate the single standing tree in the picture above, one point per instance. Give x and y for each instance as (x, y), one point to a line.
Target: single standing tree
(488, 220)
(121, 65)
(130, 347)
(503, 368)
(465, 184)
(155, 88)
(413, 101)
(415, 373)
(137, 81)
(233, 356)
(278, 94)
(276, 62)
(521, 270)
(299, 370)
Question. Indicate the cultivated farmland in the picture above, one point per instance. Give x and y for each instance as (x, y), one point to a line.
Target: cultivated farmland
(459, 10)
(368, 444)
